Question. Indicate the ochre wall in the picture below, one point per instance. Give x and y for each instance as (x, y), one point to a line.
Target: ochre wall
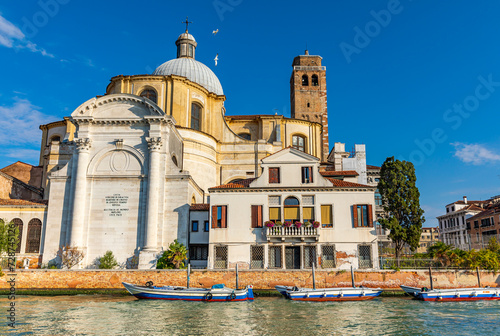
(61, 279)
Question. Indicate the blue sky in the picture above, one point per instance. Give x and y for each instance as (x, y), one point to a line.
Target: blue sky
(418, 80)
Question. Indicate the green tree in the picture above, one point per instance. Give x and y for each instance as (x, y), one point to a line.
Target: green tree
(493, 245)
(174, 257)
(9, 241)
(400, 195)
(108, 261)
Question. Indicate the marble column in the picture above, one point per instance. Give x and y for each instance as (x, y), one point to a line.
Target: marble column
(154, 145)
(148, 253)
(79, 194)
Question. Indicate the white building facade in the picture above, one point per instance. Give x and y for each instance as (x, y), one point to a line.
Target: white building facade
(291, 190)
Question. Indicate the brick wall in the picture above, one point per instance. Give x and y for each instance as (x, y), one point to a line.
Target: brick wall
(108, 279)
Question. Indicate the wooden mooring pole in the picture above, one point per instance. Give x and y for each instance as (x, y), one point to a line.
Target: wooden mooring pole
(430, 277)
(314, 277)
(478, 277)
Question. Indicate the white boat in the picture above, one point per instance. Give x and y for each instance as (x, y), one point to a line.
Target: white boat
(329, 294)
(333, 294)
(460, 294)
(215, 293)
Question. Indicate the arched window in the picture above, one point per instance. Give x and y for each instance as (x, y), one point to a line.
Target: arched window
(299, 142)
(19, 224)
(292, 209)
(174, 160)
(195, 116)
(246, 136)
(34, 233)
(150, 94)
(314, 80)
(305, 80)
(193, 200)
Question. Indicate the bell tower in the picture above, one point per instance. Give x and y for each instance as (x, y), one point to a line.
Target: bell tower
(308, 94)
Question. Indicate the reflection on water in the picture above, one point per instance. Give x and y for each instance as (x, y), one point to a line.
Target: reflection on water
(112, 315)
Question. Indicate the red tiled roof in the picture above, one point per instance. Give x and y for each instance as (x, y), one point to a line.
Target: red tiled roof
(469, 202)
(339, 173)
(372, 167)
(236, 185)
(20, 202)
(482, 214)
(249, 117)
(199, 207)
(341, 183)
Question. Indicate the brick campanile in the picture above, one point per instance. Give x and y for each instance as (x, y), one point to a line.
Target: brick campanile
(308, 94)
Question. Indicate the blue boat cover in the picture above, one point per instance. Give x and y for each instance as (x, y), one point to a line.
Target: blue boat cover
(218, 286)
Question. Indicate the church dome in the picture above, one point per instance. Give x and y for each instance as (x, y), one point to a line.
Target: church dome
(185, 65)
(193, 70)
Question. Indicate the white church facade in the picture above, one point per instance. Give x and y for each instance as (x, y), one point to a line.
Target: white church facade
(132, 170)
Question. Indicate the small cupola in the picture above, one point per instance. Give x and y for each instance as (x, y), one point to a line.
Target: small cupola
(186, 44)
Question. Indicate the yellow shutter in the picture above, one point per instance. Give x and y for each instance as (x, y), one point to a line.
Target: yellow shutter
(274, 214)
(326, 214)
(292, 214)
(307, 213)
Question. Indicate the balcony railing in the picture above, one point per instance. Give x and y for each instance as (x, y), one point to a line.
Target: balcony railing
(292, 232)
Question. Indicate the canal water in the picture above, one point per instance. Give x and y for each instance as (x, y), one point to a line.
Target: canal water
(116, 315)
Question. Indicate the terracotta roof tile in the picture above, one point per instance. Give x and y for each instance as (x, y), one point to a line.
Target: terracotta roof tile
(339, 173)
(20, 202)
(372, 167)
(341, 183)
(236, 185)
(199, 207)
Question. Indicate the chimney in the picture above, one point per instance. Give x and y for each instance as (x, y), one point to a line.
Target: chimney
(465, 199)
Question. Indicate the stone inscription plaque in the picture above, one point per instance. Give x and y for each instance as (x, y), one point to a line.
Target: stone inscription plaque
(116, 205)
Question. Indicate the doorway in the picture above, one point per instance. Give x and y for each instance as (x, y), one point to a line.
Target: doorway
(292, 257)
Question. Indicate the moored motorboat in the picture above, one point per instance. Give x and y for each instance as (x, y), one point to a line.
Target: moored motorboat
(215, 293)
(333, 294)
(454, 294)
(329, 294)
(459, 294)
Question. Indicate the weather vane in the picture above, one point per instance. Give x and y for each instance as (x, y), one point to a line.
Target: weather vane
(187, 22)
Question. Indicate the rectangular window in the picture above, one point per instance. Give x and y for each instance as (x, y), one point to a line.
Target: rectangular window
(257, 257)
(365, 256)
(220, 253)
(307, 176)
(194, 226)
(206, 226)
(308, 214)
(308, 200)
(275, 214)
(476, 224)
(326, 215)
(363, 215)
(328, 256)
(274, 200)
(219, 216)
(256, 216)
(198, 252)
(292, 213)
(274, 175)
(309, 256)
(378, 198)
(275, 257)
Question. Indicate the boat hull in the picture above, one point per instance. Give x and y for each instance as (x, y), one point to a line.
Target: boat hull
(460, 294)
(413, 291)
(333, 294)
(190, 294)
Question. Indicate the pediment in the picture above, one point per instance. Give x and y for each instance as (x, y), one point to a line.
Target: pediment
(118, 106)
(290, 155)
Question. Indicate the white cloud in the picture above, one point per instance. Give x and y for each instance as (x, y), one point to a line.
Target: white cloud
(12, 37)
(19, 124)
(474, 153)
